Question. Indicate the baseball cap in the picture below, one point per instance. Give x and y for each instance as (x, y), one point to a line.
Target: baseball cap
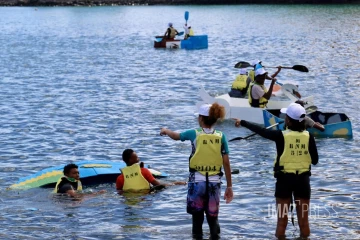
(295, 111)
(204, 110)
(260, 71)
(255, 62)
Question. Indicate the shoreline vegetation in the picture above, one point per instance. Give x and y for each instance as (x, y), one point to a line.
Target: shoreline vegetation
(163, 2)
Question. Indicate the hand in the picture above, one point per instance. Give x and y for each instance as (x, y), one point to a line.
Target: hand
(274, 80)
(163, 132)
(237, 122)
(279, 68)
(228, 196)
(100, 192)
(179, 183)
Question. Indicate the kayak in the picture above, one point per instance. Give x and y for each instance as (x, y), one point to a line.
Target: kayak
(91, 173)
(193, 42)
(240, 108)
(336, 125)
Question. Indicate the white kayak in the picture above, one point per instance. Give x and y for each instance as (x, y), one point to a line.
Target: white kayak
(240, 108)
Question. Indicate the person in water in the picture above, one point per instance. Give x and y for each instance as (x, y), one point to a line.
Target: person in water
(241, 84)
(135, 177)
(258, 94)
(171, 32)
(210, 153)
(296, 151)
(70, 183)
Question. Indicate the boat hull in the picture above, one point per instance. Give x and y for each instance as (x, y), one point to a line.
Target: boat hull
(337, 125)
(193, 42)
(240, 108)
(91, 173)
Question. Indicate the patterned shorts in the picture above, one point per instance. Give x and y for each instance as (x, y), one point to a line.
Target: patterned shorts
(198, 200)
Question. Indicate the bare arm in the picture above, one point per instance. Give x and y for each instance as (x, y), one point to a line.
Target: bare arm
(171, 134)
(276, 73)
(319, 126)
(228, 196)
(157, 183)
(71, 193)
(75, 194)
(269, 92)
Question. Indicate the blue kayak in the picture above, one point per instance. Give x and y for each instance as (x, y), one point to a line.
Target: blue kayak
(191, 43)
(337, 125)
(91, 173)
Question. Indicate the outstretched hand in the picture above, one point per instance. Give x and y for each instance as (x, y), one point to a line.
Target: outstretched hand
(163, 132)
(237, 122)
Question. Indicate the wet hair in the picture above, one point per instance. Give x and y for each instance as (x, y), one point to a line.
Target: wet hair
(126, 155)
(68, 167)
(216, 112)
(296, 125)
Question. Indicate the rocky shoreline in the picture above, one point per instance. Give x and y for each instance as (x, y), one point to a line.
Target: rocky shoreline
(163, 2)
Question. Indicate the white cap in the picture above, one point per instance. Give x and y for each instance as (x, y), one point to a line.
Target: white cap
(243, 71)
(204, 110)
(255, 62)
(260, 71)
(295, 111)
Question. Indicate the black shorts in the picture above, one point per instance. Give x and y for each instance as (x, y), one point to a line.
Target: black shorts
(289, 184)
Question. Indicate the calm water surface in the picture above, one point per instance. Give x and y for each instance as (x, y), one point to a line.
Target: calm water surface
(85, 83)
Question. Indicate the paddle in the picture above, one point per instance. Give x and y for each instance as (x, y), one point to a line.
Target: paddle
(242, 65)
(300, 68)
(253, 134)
(163, 38)
(186, 16)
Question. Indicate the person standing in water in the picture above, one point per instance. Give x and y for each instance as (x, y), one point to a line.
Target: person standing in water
(296, 151)
(210, 153)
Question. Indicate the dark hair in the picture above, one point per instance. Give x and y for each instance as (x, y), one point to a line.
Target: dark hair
(68, 167)
(296, 125)
(259, 77)
(300, 102)
(126, 155)
(216, 112)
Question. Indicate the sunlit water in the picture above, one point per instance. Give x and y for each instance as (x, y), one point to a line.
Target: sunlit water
(82, 83)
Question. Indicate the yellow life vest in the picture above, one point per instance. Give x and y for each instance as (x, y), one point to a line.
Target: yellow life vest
(260, 103)
(240, 82)
(75, 183)
(207, 157)
(251, 74)
(172, 32)
(296, 157)
(191, 32)
(133, 179)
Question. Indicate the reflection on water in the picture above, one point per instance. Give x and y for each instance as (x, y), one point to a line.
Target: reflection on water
(85, 83)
